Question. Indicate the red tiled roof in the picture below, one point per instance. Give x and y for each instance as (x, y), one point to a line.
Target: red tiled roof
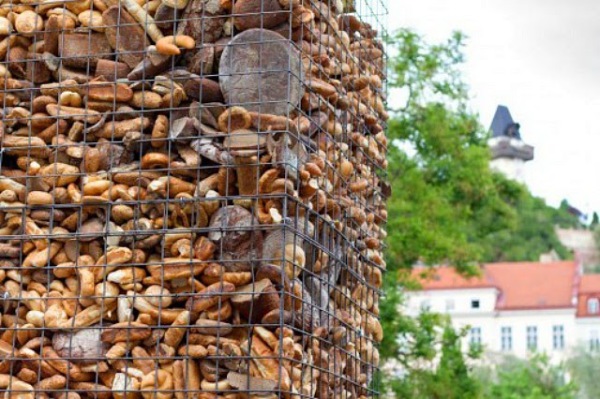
(521, 285)
(534, 285)
(590, 283)
(446, 278)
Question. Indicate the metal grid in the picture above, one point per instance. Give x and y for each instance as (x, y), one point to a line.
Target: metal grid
(192, 198)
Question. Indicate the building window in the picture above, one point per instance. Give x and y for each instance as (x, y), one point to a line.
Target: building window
(594, 340)
(506, 336)
(558, 337)
(475, 336)
(474, 303)
(532, 338)
(593, 305)
(449, 304)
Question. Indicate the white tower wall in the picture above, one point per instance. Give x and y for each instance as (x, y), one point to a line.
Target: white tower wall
(512, 168)
(509, 156)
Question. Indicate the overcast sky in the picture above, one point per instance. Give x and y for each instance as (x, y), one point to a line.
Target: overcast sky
(541, 58)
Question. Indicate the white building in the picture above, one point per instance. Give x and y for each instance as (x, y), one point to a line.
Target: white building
(516, 308)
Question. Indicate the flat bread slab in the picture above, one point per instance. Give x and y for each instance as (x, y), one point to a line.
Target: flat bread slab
(261, 71)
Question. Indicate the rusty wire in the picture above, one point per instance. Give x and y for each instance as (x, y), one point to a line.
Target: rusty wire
(166, 233)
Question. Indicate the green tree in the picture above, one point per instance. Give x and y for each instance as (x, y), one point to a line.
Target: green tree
(444, 192)
(442, 370)
(584, 366)
(532, 234)
(447, 205)
(535, 378)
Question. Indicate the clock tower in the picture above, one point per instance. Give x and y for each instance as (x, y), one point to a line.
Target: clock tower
(509, 152)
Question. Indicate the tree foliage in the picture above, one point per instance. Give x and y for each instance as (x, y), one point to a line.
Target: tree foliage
(584, 366)
(534, 378)
(532, 234)
(444, 192)
(447, 205)
(442, 371)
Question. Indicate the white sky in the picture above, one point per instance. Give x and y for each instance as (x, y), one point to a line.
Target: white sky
(541, 58)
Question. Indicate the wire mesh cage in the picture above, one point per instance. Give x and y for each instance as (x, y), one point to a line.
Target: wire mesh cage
(192, 198)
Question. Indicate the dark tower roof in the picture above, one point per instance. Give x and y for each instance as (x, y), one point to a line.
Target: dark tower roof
(504, 130)
(503, 124)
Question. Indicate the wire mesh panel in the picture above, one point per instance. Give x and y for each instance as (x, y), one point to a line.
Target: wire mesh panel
(192, 198)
